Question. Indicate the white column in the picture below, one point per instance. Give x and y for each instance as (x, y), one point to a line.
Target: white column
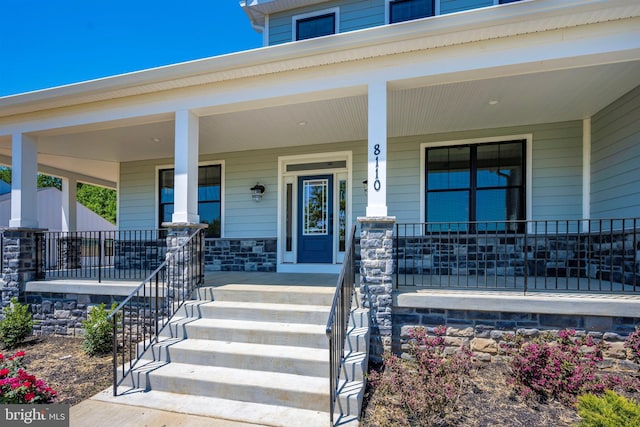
(185, 202)
(69, 204)
(24, 181)
(377, 151)
(586, 172)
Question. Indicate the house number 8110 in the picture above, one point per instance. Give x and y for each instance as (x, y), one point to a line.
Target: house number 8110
(376, 152)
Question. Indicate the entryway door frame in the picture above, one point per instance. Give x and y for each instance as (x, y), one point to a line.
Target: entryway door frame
(290, 169)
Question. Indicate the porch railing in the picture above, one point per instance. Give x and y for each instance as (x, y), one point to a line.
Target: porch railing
(104, 255)
(600, 255)
(339, 319)
(139, 318)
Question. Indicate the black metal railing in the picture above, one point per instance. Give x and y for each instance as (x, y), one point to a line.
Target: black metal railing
(339, 319)
(139, 318)
(104, 255)
(600, 255)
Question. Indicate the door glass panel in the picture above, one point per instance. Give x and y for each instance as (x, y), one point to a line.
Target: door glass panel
(315, 219)
(342, 214)
(289, 220)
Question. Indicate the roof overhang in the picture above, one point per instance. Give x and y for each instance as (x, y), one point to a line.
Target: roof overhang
(529, 16)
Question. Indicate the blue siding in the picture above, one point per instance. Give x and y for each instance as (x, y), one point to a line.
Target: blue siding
(355, 15)
(615, 156)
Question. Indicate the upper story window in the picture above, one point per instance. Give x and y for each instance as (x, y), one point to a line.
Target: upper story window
(406, 10)
(316, 24)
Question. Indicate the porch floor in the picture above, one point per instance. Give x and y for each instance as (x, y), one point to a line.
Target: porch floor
(572, 285)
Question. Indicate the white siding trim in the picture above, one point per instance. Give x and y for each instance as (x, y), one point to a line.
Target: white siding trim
(265, 31)
(586, 172)
(118, 205)
(528, 185)
(295, 18)
(223, 195)
(284, 177)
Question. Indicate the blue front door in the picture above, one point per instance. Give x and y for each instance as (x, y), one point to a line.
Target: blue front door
(315, 219)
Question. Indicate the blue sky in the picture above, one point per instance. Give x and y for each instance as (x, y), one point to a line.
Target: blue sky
(46, 43)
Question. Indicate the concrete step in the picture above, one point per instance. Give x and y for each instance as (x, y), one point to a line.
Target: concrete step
(265, 312)
(259, 357)
(305, 295)
(220, 408)
(270, 388)
(244, 331)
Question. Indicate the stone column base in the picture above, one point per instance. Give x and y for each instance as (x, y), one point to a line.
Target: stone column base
(376, 279)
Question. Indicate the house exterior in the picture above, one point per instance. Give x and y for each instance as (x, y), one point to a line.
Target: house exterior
(521, 117)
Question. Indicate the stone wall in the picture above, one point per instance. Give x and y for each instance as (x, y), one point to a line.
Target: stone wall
(22, 260)
(376, 280)
(62, 314)
(241, 254)
(483, 331)
(142, 254)
(610, 257)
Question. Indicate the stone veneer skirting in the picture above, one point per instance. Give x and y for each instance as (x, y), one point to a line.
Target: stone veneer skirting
(250, 254)
(62, 314)
(241, 254)
(483, 331)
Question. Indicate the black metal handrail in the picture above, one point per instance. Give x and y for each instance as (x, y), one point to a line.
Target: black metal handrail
(339, 319)
(138, 319)
(598, 255)
(103, 255)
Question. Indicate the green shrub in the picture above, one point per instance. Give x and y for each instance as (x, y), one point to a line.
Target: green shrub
(17, 324)
(608, 410)
(98, 332)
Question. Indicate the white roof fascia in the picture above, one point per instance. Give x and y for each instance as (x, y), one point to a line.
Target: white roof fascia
(524, 17)
(256, 10)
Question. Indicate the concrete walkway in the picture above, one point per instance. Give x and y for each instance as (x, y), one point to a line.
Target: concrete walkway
(96, 412)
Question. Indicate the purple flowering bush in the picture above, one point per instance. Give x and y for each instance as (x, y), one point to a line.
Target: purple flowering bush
(551, 366)
(18, 386)
(423, 389)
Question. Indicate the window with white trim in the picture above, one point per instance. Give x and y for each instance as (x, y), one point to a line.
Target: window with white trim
(209, 197)
(406, 10)
(316, 24)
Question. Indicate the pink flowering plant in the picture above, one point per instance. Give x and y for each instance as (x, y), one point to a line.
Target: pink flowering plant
(18, 386)
(424, 387)
(555, 366)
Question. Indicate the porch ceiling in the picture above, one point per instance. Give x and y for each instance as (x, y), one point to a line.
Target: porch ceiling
(415, 108)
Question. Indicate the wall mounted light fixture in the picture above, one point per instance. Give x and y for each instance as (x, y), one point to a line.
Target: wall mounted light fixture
(365, 184)
(257, 191)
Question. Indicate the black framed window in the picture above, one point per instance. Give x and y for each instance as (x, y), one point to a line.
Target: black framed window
(479, 182)
(406, 10)
(508, 1)
(315, 26)
(209, 197)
